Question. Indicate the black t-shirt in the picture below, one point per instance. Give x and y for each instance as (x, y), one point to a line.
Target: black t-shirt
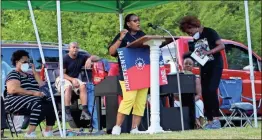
(211, 36)
(127, 39)
(73, 66)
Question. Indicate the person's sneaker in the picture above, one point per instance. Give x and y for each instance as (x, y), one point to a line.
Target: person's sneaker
(208, 126)
(94, 130)
(68, 117)
(85, 116)
(31, 135)
(136, 131)
(47, 134)
(216, 124)
(116, 130)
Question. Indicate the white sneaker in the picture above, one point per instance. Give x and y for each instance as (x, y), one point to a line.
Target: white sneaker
(116, 130)
(31, 135)
(47, 133)
(136, 131)
(95, 131)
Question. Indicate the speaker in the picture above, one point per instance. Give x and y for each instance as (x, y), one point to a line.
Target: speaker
(76, 122)
(111, 114)
(170, 118)
(127, 123)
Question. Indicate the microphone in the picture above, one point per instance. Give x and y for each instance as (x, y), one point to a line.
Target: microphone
(152, 26)
(177, 69)
(161, 28)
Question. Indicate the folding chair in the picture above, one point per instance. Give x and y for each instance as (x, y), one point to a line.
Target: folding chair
(5, 116)
(9, 117)
(231, 95)
(252, 115)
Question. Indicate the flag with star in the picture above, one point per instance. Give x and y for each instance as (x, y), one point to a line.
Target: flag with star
(135, 64)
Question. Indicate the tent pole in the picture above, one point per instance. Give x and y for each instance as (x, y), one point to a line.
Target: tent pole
(61, 72)
(251, 62)
(121, 21)
(43, 62)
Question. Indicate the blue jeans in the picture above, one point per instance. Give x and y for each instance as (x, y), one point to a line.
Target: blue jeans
(91, 96)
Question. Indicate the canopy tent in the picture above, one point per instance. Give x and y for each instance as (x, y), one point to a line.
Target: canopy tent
(102, 6)
(110, 6)
(98, 6)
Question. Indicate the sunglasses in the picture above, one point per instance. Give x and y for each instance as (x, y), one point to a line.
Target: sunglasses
(136, 20)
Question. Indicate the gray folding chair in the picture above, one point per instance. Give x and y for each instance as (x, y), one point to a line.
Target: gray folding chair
(252, 115)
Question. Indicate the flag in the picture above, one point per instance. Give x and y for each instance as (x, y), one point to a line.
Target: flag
(135, 64)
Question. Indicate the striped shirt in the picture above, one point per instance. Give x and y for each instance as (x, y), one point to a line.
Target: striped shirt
(15, 102)
(27, 82)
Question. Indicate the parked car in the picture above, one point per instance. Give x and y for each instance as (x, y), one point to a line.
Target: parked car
(50, 51)
(51, 54)
(236, 63)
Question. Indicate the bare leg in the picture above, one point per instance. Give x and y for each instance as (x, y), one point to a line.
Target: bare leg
(136, 121)
(83, 95)
(120, 118)
(31, 129)
(68, 95)
(198, 123)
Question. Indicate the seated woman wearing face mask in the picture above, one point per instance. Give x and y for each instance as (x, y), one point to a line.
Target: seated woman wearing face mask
(23, 95)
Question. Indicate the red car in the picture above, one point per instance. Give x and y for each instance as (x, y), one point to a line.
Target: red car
(235, 58)
(236, 63)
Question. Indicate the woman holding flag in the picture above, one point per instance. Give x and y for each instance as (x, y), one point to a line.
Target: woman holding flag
(135, 99)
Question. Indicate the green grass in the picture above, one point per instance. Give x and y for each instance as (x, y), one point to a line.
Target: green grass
(225, 133)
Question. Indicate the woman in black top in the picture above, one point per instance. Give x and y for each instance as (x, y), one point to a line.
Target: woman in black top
(135, 99)
(211, 72)
(23, 95)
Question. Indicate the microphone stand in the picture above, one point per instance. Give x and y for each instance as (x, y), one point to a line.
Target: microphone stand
(178, 78)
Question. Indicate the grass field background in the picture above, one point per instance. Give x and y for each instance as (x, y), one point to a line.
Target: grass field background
(224, 133)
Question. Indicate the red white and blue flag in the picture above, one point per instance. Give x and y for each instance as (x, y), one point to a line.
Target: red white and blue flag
(135, 63)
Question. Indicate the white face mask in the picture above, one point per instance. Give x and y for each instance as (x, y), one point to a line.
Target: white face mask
(25, 67)
(196, 35)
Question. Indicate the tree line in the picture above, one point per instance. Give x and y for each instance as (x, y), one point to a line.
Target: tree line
(95, 31)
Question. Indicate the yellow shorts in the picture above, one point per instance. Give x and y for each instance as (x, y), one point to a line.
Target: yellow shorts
(135, 99)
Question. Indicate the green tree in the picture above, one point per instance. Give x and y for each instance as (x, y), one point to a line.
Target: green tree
(95, 31)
